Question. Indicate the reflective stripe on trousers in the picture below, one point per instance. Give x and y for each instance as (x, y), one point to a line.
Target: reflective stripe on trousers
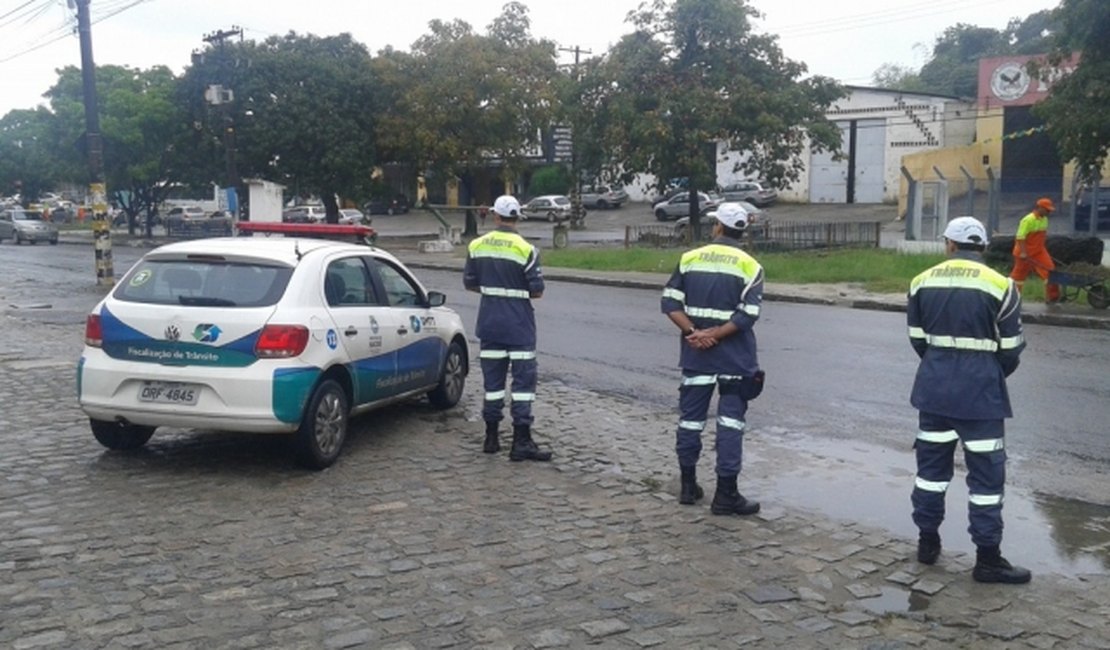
(496, 361)
(695, 394)
(985, 457)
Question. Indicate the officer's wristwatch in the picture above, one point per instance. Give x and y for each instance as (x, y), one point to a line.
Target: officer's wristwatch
(688, 331)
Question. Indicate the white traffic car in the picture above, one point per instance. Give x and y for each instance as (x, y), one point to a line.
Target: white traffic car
(267, 335)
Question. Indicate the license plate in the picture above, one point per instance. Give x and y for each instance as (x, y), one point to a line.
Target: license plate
(169, 392)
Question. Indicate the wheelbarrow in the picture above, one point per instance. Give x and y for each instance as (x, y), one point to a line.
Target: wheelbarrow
(1076, 279)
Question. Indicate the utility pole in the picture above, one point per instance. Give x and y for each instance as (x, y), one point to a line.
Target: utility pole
(98, 193)
(576, 189)
(222, 96)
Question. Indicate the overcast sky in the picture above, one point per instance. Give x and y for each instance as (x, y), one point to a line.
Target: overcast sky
(845, 39)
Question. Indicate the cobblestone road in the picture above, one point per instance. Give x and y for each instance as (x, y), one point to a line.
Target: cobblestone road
(417, 540)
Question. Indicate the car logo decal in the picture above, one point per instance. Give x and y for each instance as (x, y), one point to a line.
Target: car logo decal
(373, 325)
(206, 333)
(415, 322)
(140, 278)
(333, 339)
(172, 333)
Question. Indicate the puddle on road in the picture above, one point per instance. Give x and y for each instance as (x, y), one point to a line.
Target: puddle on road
(854, 481)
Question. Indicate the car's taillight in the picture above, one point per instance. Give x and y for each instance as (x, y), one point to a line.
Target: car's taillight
(93, 334)
(281, 341)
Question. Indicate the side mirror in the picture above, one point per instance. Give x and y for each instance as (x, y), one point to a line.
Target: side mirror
(436, 299)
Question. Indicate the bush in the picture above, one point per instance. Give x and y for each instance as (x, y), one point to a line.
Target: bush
(552, 179)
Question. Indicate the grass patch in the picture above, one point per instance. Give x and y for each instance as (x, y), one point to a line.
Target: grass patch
(878, 270)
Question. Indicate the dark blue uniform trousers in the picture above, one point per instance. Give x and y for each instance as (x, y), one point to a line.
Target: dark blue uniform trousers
(693, 403)
(496, 359)
(985, 456)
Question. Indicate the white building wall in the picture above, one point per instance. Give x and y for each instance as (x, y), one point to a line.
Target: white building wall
(913, 122)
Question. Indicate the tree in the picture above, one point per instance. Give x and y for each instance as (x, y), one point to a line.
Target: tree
(304, 112)
(26, 153)
(142, 129)
(953, 68)
(1077, 110)
(897, 77)
(462, 102)
(694, 73)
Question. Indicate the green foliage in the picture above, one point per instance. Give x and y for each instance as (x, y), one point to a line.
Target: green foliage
(878, 270)
(461, 98)
(304, 112)
(26, 160)
(552, 179)
(1077, 110)
(695, 73)
(892, 76)
(953, 68)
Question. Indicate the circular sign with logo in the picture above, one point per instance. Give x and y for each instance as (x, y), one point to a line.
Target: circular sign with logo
(1009, 81)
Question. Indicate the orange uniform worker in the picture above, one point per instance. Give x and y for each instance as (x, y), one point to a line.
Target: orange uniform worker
(1030, 252)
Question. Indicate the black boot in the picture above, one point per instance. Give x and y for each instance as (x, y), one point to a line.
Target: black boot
(928, 547)
(990, 566)
(691, 492)
(728, 500)
(492, 444)
(524, 448)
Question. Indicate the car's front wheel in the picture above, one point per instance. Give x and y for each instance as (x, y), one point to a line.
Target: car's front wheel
(451, 380)
(324, 426)
(661, 214)
(120, 436)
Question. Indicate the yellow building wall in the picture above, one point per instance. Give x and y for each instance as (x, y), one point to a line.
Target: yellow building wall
(924, 166)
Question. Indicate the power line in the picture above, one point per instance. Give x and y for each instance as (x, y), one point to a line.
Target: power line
(24, 10)
(818, 30)
(67, 30)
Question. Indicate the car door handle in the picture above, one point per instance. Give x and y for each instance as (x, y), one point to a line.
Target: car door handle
(402, 331)
(350, 331)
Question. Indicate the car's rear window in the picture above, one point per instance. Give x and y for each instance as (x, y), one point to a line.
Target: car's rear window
(204, 283)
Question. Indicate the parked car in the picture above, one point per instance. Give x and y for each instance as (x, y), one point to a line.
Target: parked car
(679, 205)
(351, 216)
(1083, 205)
(27, 226)
(267, 335)
(752, 192)
(602, 197)
(304, 214)
(194, 220)
(758, 222)
(553, 207)
(397, 204)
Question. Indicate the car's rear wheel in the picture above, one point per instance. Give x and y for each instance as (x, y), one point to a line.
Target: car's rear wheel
(53, 242)
(324, 426)
(661, 214)
(16, 239)
(601, 204)
(120, 436)
(551, 216)
(451, 381)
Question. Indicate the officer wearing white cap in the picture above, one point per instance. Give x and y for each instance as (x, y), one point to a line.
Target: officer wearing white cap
(714, 297)
(505, 269)
(965, 324)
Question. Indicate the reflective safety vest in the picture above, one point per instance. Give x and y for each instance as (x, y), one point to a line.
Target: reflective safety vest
(1034, 230)
(715, 284)
(965, 323)
(505, 268)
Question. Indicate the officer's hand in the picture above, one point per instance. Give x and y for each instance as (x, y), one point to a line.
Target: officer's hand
(1023, 256)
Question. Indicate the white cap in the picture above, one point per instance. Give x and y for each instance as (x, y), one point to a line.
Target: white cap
(507, 206)
(732, 215)
(966, 230)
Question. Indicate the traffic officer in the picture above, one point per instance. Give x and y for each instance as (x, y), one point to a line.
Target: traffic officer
(965, 324)
(714, 297)
(1031, 252)
(505, 269)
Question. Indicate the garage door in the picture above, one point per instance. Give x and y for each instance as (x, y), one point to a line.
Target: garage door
(858, 177)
